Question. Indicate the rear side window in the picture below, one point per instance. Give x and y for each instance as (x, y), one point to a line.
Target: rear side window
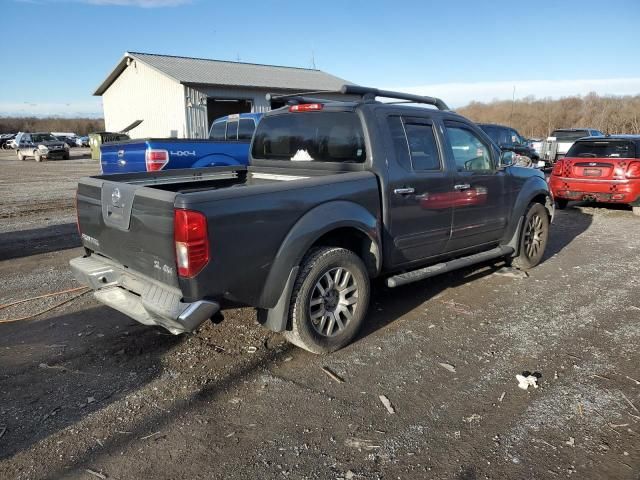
(246, 128)
(232, 130)
(606, 149)
(422, 146)
(310, 137)
(218, 131)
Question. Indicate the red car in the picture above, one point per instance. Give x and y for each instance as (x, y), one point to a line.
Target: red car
(600, 169)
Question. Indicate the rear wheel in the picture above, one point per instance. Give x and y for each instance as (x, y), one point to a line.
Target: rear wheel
(561, 203)
(329, 301)
(533, 239)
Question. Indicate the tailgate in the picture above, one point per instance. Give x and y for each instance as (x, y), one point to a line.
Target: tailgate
(130, 224)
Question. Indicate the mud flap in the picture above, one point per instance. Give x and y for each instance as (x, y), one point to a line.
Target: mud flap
(276, 318)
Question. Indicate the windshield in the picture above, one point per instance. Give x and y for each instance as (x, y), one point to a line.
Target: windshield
(503, 135)
(310, 137)
(43, 137)
(608, 149)
(569, 135)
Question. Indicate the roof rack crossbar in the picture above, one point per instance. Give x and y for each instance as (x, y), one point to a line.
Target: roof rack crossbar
(367, 94)
(358, 90)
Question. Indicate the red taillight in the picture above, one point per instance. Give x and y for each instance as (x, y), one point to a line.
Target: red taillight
(557, 168)
(633, 170)
(156, 159)
(306, 107)
(192, 242)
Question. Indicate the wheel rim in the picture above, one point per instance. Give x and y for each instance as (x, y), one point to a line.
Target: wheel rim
(334, 300)
(533, 236)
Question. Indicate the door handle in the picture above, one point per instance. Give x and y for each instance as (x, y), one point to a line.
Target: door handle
(462, 186)
(404, 191)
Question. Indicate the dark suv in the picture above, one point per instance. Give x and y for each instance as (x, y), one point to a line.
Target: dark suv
(509, 139)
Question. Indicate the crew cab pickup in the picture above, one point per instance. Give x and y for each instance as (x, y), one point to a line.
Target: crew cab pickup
(228, 144)
(336, 193)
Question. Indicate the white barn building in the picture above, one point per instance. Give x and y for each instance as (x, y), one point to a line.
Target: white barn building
(181, 96)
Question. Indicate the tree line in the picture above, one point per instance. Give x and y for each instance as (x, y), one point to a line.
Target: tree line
(537, 118)
(79, 126)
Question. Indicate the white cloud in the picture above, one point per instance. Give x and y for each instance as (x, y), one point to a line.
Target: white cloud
(459, 94)
(73, 109)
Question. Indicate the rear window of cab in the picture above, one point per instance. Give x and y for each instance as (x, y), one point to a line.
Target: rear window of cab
(603, 149)
(310, 137)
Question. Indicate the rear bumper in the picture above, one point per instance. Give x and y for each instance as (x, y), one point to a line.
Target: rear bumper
(609, 191)
(142, 299)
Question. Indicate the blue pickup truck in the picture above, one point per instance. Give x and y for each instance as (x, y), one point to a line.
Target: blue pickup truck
(227, 145)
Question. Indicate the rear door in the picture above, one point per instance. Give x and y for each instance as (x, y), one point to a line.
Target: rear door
(481, 213)
(419, 185)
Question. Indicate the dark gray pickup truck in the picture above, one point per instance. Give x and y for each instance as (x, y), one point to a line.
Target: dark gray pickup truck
(336, 193)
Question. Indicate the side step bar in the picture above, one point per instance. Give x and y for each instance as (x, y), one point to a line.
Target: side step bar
(437, 269)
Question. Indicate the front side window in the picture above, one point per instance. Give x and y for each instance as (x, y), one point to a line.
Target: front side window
(310, 137)
(469, 152)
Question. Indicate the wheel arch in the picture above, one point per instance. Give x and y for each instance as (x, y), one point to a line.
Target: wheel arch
(338, 223)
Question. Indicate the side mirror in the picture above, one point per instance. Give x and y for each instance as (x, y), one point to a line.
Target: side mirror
(507, 158)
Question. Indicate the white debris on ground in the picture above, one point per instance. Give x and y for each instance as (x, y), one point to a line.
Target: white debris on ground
(525, 382)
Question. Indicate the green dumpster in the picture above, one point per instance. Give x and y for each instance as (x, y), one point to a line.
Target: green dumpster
(98, 138)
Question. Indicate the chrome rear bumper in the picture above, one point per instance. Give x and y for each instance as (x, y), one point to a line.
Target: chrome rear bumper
(145, 300)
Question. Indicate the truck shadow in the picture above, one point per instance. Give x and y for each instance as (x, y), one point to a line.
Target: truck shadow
(58, 370)
(25, 243)
(388, 304)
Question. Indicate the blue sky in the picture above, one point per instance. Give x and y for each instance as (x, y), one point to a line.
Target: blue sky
(460, 50)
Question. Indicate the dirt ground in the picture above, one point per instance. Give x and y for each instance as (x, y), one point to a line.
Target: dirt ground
(87, 393)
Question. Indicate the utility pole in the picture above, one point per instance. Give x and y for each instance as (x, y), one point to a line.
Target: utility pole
(313, 60)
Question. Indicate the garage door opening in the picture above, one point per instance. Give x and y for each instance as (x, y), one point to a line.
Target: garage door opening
(217, 108)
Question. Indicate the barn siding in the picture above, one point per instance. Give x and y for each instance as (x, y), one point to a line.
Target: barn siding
(142, 93)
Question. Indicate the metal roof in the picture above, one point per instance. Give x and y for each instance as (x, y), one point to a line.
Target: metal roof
(202, 71)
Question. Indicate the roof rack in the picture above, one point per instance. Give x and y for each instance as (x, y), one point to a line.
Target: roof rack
(371, 93)
(367, 94)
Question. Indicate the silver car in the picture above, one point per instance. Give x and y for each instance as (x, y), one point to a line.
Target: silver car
(40, 146)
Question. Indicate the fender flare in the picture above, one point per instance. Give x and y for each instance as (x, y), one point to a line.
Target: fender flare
(304, 233)
(534, 187)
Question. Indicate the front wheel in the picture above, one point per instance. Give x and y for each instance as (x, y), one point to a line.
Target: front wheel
(329, 301)
(533, 239)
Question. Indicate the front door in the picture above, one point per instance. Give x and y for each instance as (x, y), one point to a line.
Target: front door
(481, 211)
(419, 214)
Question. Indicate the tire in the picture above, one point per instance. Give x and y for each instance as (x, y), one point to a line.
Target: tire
(21, 157)
(317, 327)
(533, 238)
(561, 203)
(65, 156)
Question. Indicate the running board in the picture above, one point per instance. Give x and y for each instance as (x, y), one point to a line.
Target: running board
(437, 269)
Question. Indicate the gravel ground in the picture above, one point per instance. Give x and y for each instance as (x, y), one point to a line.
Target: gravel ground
(87, 393)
